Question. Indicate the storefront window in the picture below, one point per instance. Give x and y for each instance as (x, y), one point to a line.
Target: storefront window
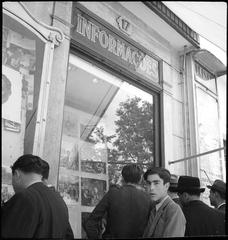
(22, 58)
(208, 133)
(107, 123)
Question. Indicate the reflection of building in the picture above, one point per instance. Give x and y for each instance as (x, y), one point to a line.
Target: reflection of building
(82, 63)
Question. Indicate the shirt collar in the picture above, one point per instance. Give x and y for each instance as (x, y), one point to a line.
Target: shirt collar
(160, 203)
(221, 204)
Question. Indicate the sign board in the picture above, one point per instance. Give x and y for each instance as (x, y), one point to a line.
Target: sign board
(111, 46)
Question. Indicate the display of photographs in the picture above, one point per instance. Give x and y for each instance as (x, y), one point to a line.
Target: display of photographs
(6, 175)
(92, 191)
(11, 94)
(6, 193)
(84, 217)
(93, 167)
(12, 126)
(69, 154)
(18, 50)
(68, 187)
(70, 122)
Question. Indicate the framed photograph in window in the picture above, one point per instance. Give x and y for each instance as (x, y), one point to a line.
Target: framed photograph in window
(92, 191)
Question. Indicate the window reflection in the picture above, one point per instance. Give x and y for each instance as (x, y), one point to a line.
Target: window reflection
(106, 121)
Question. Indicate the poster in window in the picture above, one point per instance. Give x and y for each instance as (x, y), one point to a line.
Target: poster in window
(93, 167)
(68, 186)
(11, 94)
(7, 188)
(6, 193)
(92, 191)
(69, 153)
(18, 50)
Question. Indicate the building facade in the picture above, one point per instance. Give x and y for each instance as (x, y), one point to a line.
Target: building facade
(90, 86)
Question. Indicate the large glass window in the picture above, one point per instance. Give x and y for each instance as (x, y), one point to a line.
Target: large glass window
(107, 123)
(209, 139)
(22, 58)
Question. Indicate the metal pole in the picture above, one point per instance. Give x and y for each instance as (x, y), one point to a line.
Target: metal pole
(197, 155)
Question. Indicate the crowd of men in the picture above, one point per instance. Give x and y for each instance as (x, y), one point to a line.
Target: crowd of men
(170, 207)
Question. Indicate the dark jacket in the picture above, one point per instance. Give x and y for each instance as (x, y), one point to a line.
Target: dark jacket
(36, 212)
(202, 220)
(177, 201)
(127, 209)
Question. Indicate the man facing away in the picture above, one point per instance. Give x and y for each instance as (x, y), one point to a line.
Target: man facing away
(167, 218)
(127, 208)
(35, 211)
(201, 220)
(218, 195)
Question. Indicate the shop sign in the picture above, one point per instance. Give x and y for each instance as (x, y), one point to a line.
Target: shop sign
(111, 46)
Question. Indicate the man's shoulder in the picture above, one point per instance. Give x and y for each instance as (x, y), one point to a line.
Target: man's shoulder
(171, 206)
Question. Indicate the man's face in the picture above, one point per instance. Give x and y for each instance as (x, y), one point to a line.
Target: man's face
(156, 187)
(212, 198)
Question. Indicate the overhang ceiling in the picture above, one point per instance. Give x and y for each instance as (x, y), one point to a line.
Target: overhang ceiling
(210, 62)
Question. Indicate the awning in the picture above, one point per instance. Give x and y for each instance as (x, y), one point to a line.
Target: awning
(210, 62)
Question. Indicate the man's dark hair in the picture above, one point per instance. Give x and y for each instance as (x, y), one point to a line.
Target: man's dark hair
(132, 173)
(161, 172)
(29, 163)
(222, 195)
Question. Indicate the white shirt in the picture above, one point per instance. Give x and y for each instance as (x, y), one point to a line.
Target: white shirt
(160, 203)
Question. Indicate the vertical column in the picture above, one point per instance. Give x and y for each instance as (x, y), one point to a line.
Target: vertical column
(192, 165)
(167, 114)
(61, 19)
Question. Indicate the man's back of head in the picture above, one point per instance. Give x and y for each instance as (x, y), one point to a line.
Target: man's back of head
(132, 173)
(26, 170)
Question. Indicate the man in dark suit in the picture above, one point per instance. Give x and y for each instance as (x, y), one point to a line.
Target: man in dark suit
(35, 211)
(127, 208)
(201, 220)
(218, 195)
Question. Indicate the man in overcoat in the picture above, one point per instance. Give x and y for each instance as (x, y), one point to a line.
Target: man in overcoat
(126, 208)
(201, 220)
(166, 218)
(35, 211)
(218, 195)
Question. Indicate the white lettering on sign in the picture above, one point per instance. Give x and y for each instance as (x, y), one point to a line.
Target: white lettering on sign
(143, 63)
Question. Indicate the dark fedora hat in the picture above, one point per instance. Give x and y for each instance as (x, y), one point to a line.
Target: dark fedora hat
(173, 183)
(218, 185)
(189, 184)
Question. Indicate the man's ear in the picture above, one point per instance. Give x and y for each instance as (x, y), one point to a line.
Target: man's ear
(167, 185)
(17, 173)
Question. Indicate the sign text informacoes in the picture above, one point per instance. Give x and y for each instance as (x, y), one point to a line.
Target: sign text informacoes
(108, 44)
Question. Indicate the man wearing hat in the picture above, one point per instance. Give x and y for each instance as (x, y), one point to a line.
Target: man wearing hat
(201, 220)
(172, 192)
(218, 195)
